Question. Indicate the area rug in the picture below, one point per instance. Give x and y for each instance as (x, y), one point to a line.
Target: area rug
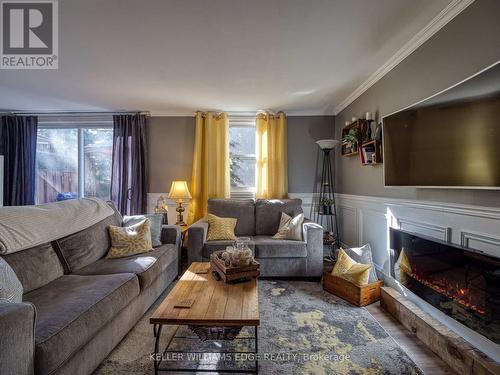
(304, 330)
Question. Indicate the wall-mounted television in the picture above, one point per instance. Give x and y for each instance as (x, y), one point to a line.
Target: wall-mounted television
(451, 140)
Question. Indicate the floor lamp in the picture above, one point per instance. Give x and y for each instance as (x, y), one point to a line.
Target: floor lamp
(326, 210)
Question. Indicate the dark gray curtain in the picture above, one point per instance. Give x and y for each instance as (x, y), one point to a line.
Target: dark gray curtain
(18, 139)
(129, 171)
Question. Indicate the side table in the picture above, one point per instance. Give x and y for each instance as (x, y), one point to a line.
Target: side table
(184, 230)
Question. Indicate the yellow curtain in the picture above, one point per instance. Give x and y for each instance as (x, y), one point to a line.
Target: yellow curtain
(210, 175)
(272, 177)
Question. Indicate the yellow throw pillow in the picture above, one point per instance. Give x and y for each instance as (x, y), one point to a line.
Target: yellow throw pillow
(349, 270)
(220, 228)
(131, 240)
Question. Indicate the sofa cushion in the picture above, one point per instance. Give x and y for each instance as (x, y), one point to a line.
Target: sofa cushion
(211, 246)
(72, 309)
(267, 247)
(147, 266)
(35, 267)
(268, 214)
(87, 246)
(241, 209)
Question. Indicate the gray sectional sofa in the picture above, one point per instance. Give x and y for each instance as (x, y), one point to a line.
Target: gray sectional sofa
(260, 220)
(77, 305)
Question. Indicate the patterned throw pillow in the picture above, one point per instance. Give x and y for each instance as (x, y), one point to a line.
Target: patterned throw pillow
(131, 240)
(11, 289)
(290, 228)
(349, 270)
(220, 228)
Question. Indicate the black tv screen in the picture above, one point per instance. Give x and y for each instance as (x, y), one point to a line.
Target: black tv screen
(450, 140)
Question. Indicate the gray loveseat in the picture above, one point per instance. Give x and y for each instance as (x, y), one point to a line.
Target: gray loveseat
(77, 305)
(260, 220)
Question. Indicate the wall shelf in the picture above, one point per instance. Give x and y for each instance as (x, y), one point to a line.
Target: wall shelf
(371, 153)
(349, 148)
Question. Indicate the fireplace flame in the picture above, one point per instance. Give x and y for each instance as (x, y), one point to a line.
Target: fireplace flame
(447, 288)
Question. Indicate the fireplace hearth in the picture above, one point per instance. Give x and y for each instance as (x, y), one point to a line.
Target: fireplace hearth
(463, 283)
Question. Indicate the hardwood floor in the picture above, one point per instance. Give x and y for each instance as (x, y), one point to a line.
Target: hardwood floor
(429, 362)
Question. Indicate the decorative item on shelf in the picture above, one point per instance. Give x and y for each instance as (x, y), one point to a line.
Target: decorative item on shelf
(162, 208)
(326, 206)
(378, 132)
(328, 238)
(368, 133)
(371, 153)
(350, 142)
(325, 210)
(180, 192)
(215, 333)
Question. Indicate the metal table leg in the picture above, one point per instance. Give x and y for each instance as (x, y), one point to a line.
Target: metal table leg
(256, 350)
(157, 332)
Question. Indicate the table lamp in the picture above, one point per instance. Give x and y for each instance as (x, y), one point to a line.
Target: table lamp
(180, 192)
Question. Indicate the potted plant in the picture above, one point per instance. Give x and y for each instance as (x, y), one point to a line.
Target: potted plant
(351, 140)
(326, 204)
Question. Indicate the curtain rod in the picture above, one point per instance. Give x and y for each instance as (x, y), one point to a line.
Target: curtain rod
(75, 113)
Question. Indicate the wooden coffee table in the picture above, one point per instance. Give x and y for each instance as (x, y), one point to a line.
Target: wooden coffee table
(215, 304)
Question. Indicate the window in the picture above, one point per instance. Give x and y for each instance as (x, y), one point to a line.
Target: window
(73, 159)
(242, 156)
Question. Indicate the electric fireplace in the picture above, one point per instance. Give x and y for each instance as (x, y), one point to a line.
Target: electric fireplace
(463, 283)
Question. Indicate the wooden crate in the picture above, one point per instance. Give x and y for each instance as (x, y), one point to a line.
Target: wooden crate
(229, 274)
(357, 295)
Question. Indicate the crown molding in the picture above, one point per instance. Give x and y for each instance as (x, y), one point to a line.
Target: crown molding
(292, 113)
(452, 10)
(171, 114)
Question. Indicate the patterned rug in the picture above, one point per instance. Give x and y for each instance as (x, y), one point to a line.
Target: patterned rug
(304, 330)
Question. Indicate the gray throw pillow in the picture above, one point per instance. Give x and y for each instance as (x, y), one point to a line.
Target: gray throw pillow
(363, 255)
(290, 228)
(156, 224)
(11, 289)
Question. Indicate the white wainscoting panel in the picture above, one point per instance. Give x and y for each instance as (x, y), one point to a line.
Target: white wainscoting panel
(437, 231)
(348, 219)
(373, 229)
(479, 241)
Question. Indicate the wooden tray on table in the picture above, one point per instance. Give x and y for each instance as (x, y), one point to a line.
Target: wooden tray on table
(232, 273)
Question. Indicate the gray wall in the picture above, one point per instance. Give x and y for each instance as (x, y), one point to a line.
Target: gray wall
(171, 142)
(303, 152)
(466, 45)
(170, 152)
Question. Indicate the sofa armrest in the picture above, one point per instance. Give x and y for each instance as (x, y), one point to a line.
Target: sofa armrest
(197, 236)
(17, 338)
(313, 236)
(171, 234)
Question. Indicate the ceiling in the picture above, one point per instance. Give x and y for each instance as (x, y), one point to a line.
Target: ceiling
(173, 57)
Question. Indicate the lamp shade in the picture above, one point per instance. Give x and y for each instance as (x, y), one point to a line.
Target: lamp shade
(327, 144)
(179, 190)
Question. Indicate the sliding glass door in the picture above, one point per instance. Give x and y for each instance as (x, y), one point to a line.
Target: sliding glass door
(73, 160)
